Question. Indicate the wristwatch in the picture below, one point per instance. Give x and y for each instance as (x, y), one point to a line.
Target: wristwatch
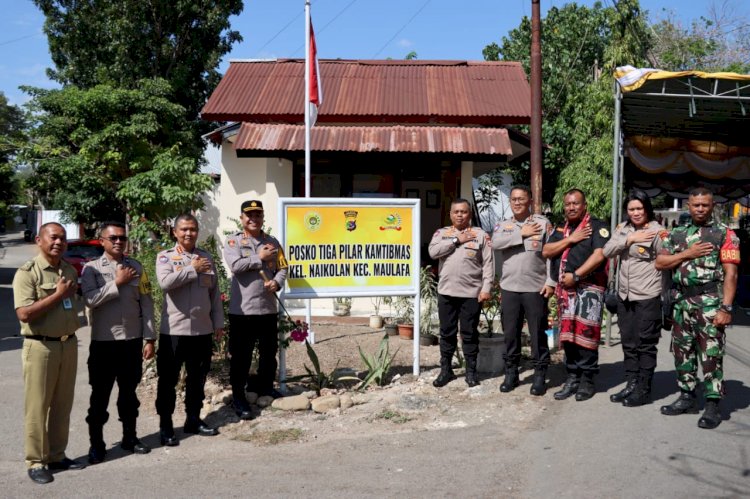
(576, 277)
(726, 308)
(456, 242)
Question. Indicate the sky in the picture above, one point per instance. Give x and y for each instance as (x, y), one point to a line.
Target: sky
(346, 29)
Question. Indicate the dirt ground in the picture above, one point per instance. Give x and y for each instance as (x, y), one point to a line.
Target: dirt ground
(408, 403)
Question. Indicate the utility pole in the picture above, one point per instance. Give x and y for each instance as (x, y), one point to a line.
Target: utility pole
(536, 106)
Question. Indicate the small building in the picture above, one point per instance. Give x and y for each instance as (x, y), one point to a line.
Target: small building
(386, 128)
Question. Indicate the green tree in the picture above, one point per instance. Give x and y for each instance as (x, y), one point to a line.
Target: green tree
(12, 136)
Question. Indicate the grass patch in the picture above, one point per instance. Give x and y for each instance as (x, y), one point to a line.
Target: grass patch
(392, 416)
(273, 437)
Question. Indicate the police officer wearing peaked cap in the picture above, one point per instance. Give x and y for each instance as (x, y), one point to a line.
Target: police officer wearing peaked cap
(259, 270)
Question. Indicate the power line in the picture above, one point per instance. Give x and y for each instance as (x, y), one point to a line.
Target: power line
(8, 42)
(401, 29)
(327, 24)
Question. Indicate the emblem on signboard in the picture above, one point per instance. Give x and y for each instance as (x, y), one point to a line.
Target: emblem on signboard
(351, 220)
(313, 221)
(391, 222)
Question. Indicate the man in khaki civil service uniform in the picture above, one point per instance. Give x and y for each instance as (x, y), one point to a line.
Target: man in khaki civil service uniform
(467, 270)
(117, 290)
(525, 288)
(191, 313)
(43, 291)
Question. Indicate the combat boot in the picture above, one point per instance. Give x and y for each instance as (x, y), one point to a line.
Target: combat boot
(510, 381)
(97, 451)
(641, 395)
(471, 372)
(130, 441)
(711, 417)
(538, 385)
(632, 382)
(446, 371)
(569, 388)
(685, 404)
(586, 389)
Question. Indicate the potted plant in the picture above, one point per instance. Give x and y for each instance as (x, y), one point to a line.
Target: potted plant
(428, 292)
(376, 320)
(490, 358)
(342, 305)
(404, 316)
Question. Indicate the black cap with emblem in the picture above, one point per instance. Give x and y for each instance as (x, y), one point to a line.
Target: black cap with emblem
(253, 205)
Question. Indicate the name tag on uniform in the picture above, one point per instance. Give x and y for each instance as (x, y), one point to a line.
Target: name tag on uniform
(67, 304)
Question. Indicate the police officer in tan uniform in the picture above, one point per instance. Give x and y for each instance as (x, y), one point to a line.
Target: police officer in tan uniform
(44, 291)
(525, 287)
(259, 271)
(639, 296)
(117, 290)
(191, 314)
(466, 272)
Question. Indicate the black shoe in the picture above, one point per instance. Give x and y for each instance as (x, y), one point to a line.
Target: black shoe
(472, 380)
(41, 475)
(569, 388)
(97, 454)
(510, 381)
(168, 438)
(711, 417)
(685, 404)
(623, 394)
(243, 411)
(538, 385)
(132, 444)
(445, 377)
(197, 426)
(585, 390)
(66, 464)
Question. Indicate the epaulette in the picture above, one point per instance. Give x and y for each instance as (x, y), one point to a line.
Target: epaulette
(27, 266)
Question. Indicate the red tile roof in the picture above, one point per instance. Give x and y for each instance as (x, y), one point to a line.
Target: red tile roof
(420, 139)
(375, 91)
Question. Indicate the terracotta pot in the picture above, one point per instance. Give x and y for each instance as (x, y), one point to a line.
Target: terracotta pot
(391, 329)
(406, 331)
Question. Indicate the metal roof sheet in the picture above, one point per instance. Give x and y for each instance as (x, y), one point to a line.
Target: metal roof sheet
(453, 92)
(417, 139)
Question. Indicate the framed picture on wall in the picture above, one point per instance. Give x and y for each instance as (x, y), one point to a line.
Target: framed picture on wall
(412, 193)
(432, 198)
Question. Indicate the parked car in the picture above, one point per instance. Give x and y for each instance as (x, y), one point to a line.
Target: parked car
(81, 251)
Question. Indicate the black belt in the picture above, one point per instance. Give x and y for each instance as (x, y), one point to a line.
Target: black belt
(690, 291)
(50, 338)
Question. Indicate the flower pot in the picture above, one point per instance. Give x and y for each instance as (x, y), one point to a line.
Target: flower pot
(376, 321)
(406, 331)
(391, 329)
(428, 340)
(490, 359)
(341, 310)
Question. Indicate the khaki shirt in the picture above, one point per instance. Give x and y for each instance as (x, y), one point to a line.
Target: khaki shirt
(525, 270)
(37, 279)
(192, 302)
(117, 312)
(249, 296)
(467, 270)
(638, 278)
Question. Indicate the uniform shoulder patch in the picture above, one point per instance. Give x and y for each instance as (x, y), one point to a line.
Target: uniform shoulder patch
(231, 242)
(603, 232)
(663, 234)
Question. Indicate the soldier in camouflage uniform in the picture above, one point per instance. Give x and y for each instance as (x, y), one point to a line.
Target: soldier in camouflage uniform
(704, 255)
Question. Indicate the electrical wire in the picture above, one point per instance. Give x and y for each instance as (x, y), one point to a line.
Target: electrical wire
(401, 29)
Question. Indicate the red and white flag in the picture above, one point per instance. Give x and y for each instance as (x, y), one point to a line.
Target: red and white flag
(315, 92)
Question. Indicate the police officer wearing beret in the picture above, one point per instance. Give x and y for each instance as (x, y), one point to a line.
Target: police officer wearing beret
(191, 313)
(117, 290)
(525, 288)
(259, 270)
(44, 291)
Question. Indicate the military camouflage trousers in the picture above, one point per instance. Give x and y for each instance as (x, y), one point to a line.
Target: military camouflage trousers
(695, 339)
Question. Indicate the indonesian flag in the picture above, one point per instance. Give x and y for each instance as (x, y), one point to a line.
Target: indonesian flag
(315, 92)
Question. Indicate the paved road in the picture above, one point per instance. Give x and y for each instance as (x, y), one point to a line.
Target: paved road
(594, 449)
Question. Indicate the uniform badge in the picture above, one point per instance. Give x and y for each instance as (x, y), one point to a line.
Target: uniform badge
(535, 244)
(163, 259)
(641, 250)
(509, 227)
(603, 232)
(245, 241)
(177, 258)
(231, 243)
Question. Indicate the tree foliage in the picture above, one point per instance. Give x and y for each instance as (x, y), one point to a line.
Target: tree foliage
(12, 135)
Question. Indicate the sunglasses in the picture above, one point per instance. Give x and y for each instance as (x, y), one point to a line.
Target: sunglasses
(113, 239)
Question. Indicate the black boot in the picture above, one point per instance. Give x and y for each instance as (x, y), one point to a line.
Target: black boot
(130, 441)
(711, 417)
(166, 432)
(538, 385)
(569, 388)
(586, 389)
(471, 372)
(446, 371)
(685, 404)
(642, 393)
(632, 382)
(510, 381)
(98, 449)
(196, 426)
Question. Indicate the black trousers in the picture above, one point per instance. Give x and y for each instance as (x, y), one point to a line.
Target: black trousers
(195, 353)
(110, 362)
(579, 360)
(533, 306)
(454, 313)
(640, 330)
(245, 331)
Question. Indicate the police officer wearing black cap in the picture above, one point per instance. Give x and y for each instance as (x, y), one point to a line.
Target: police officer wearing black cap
(259, 271)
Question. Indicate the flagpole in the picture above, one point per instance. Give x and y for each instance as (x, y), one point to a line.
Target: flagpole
(308, 309)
